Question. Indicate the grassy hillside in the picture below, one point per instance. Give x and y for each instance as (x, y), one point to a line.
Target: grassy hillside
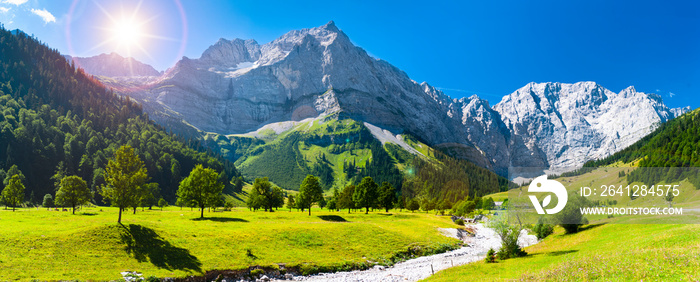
(338, 151)
(53, 245)
(606, 250)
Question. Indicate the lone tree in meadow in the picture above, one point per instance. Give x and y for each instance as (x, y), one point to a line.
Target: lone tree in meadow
(73, 192)
(201, 188)
(310, 192)
(13, 194)
(387, 196)
(365, 194)
(126, 174)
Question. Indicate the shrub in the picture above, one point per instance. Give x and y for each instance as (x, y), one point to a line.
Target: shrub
(570, 218)
(460, 222)
(490, 256)
(542, 229)
(509, 238)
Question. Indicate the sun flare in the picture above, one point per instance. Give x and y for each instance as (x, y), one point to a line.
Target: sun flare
(127, 33)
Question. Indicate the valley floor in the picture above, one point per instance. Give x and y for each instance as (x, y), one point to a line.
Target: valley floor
(90, 245)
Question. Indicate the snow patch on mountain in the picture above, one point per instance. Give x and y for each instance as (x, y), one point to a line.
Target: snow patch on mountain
(385, 136)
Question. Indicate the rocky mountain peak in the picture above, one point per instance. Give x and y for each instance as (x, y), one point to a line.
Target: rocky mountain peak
(229, 53)
(330, 26)
(574, 123)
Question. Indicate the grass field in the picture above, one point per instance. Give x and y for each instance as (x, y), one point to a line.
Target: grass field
(606, 250)
(53, 245)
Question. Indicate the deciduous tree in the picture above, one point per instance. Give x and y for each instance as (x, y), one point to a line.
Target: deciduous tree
(13, 194)
(345, 200)
(365, 194)
(413, 205)
(201, 188)
(126, 174)
(290, 202)
(387, 196)
(48, 201)
(73, 192)
(310, 192)
(162, 203)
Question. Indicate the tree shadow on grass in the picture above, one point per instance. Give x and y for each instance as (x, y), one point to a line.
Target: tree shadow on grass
(590, 226)
(88, 213)
(559, 253)
(220, 219)
(146, 245)
(334, 218)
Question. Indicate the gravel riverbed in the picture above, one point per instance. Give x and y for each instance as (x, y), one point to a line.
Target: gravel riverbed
(422, 267)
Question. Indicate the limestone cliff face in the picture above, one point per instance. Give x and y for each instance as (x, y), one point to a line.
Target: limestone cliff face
(573, 123)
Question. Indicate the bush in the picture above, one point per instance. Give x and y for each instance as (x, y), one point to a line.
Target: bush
(570, 218)
(460, 222)
(502, 255)
(509, 238)
(490, 256)
(542, 230)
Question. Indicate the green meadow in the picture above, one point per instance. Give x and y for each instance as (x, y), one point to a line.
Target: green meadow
(603, 251)
(90, 245)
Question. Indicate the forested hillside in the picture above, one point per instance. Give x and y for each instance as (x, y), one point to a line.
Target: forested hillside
(342, 152)
(55, 120)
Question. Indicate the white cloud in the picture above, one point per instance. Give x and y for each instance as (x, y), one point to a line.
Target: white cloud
(657, 90)
(671, 94)
(15, 2)
(45, 15)
(4, 10)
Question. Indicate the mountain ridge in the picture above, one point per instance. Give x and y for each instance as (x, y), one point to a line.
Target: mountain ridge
(319, 72)
(113, 65)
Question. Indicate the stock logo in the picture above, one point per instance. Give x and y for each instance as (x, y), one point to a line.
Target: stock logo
(541, 184)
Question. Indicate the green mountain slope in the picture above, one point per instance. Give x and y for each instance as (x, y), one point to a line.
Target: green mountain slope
(55, 119)
(343, 151)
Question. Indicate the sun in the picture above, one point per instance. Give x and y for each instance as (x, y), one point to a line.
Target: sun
(127, 33)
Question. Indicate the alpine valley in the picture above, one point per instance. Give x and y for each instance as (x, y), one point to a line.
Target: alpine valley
(312, 102)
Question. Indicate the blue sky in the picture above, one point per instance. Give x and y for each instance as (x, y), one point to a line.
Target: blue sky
(489, 48)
